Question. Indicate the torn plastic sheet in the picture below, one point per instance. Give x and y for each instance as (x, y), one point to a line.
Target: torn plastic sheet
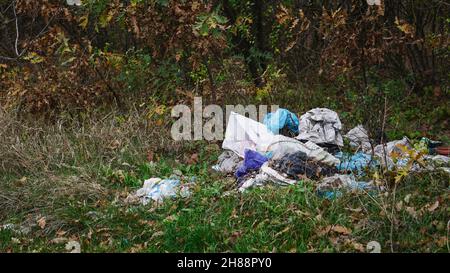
(282, 146)
(227, 162)
(297, 165)
(321, 125)
(281, 119)
(359, 139)
(332, 187)
(243, 133)
(158, 189)
(252, 162)
(384, 152)
(265, 176)
(356, 163)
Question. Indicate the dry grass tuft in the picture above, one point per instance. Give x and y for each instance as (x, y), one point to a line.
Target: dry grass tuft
(43, 166)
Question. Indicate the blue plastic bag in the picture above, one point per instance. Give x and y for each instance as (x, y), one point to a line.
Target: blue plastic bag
(252, 162)
(356, 163)
(280, 119)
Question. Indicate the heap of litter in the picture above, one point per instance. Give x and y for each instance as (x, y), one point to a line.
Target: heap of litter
(284, 150)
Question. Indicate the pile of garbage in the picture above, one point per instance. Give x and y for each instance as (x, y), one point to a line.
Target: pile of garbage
(285, 149)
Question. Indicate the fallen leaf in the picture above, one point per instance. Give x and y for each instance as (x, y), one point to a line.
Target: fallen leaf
(354, 210)
(42, 222)
(407, 198)
(342, 230)
(150, 156)
(359, 247)
(411, 211)
(157, 234)
(60, 233)
(337, 228)
(59, 240)
(434, 206)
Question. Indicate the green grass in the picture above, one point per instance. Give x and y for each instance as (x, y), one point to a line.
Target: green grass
(215, 218)
(76, 177)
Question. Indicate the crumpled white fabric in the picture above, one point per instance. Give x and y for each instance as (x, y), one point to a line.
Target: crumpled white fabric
(321, 125)
(244, 133)
(359, 138)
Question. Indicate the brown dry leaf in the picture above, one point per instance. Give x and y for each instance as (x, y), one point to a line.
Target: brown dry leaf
(60, 233)
(341, 229)
(150, 156)
(359, 247)
(411, 211)
(354, 210)
(433, 207)
(114, 144)
(137, 248)
(42, 222)
(337, 228)
(193, 159)
(157, 234)
(136, 29)
(281, 232)
(59, 240)
(442, 241)
(234, 236)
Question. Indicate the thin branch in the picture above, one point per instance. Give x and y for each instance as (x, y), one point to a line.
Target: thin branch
(17, 29)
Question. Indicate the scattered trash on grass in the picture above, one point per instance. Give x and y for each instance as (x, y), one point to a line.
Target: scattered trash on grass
(158, 189)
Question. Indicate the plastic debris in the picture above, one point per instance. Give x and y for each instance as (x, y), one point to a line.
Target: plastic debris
(282, 120)
(227, 162)
(298, 164)
(157, 189)
(252, 162)
(384, 152)
(359, 139)
(265, 176)
(73, 247)
(330, 187)
(278, 159)
(321, 125)
(243, 133)
(356, 163)
(282, 146)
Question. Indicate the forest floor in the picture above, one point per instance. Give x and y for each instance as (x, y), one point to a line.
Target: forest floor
(68, 182)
